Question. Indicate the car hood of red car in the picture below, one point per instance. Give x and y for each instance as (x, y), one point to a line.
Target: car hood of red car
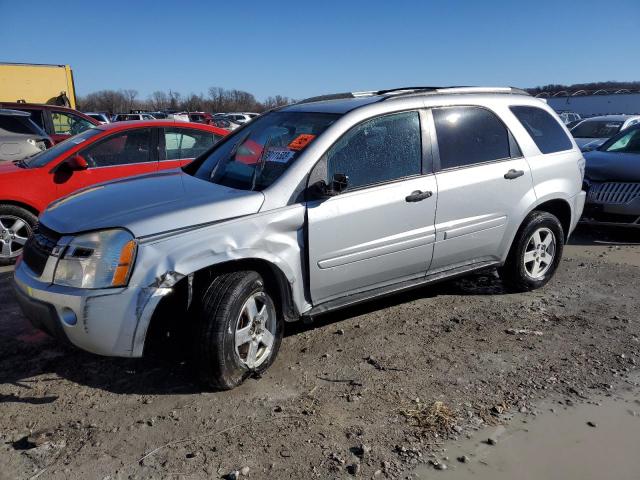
(9, 167)
(149, 205)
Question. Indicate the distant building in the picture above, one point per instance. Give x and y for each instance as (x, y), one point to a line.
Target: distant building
(596, 103)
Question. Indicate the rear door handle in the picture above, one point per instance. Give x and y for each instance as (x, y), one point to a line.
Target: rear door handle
(418, 196)
(511, 174)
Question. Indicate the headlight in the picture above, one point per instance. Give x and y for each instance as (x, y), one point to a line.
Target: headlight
(97, 260)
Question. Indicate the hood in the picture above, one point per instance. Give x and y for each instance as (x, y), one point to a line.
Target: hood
(590, 143)
(612, 166)
(149, 205)
(7, 166)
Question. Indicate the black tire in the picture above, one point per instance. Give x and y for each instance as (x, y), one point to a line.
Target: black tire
(217, 362)
(514, 272)
(9, 212)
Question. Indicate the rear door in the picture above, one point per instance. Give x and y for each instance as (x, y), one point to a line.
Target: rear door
(123, 154)
(484, 185)
(179, 146)
(380, 230)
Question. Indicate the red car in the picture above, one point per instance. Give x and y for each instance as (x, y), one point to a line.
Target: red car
(100, 154)
(59, 122)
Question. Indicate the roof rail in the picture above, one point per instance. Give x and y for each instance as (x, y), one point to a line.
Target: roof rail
(395, 92)
(450, 90)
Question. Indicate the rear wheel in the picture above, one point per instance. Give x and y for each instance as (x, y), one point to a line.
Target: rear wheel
(239, 330)
(535, 253)
(16, 225)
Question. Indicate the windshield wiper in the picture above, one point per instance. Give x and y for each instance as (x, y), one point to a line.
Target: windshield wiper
(21, 163)
(231, 154)
(260, 163)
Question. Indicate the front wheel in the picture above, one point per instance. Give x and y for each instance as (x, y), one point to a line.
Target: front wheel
(535, 253)
(16, 225)
(239, 330)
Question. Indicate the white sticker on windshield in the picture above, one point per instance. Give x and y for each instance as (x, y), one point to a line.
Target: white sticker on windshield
(279, 155)
(78, 141)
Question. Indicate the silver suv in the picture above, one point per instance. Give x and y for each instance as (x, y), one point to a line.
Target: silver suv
(304, 210)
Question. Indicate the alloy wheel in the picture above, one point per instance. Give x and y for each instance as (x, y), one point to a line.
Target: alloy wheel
(255, 330)
(539, 253)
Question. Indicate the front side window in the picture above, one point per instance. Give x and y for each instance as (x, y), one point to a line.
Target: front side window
(469, 135)
(596, 129)
(183, 143)
(255, 156)
(68, 124)
(124, 148)
(379, 150)
(545, 130)
(60, 149)
(627, 142)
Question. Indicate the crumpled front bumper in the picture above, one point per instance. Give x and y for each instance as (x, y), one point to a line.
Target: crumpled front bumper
(104, 322)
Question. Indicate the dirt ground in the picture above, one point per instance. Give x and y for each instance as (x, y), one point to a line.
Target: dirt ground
(377, 391)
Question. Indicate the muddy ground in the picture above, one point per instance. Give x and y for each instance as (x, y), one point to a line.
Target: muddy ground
(373, 391)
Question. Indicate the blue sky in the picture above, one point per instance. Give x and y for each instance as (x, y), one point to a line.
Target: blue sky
(302, 48)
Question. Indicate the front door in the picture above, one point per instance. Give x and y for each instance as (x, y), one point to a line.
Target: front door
(380, 230)
(123, 154)
(64, 125)
(484, 185)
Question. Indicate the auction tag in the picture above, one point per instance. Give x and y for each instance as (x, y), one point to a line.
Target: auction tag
(279, 155)
(301, 141)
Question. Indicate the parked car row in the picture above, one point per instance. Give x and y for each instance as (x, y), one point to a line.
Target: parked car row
(105, 152)
(228, 121)
(304, 210)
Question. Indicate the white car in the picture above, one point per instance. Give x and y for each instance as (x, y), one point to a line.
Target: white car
(103, 118)
(309, 208)
(240, 117)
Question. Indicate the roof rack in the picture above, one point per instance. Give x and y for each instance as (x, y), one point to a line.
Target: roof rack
(396, 92)
(391, 93)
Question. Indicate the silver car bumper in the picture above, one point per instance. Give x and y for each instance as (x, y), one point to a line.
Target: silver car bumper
(104, 322)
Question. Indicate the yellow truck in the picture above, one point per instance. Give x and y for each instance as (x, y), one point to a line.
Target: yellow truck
(34, 83)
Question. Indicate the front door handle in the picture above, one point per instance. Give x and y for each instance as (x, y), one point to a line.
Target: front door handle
(511, 174)
(417, 196)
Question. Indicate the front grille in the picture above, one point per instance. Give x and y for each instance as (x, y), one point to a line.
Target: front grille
(613, 192)
(39, 247)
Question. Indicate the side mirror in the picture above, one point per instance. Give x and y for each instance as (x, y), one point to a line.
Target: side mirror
(76, 163)
(339, 183)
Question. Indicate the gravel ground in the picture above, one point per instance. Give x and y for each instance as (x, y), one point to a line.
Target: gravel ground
(371, 391)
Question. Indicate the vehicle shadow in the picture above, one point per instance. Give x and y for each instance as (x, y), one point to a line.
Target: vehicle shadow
(27, 353)
(586, 235)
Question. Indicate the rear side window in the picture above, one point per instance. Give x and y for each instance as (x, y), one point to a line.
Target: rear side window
(183, 143)
(545, 130)
(16, 124)
(469, 135)
(379, 150)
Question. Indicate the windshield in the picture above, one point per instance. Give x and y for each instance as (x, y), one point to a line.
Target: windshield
(43, 158)
(256, 155)
(596, 129)
(626, 142)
